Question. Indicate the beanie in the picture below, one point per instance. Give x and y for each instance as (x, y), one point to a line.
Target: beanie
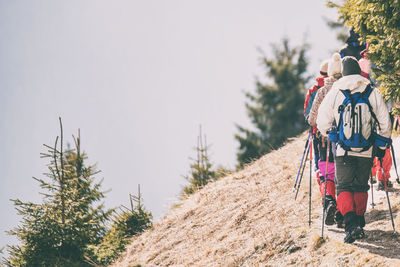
(335, 65)
(350, 66)
(365, 67)
(323, 69)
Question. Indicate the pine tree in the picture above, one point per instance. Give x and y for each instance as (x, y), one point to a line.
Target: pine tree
(275, 109)
(201, 168)
(126, 223)
(58, 231)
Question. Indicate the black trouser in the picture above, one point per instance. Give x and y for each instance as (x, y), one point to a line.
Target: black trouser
(352, 173)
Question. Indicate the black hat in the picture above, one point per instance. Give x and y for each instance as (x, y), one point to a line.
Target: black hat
(350, 66)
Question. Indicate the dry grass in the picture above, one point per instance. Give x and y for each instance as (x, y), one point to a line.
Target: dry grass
(317, 241)
(250, 218)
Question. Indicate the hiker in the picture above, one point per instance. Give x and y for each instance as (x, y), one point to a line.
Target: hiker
(308, 103)
(320, 147)
(334, 72)
(364, 63)
(352, 46)
(387, 159)
(377, 170)
(355, 124)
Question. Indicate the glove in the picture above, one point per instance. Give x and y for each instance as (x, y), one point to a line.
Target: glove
(380, 153)
(306, 118)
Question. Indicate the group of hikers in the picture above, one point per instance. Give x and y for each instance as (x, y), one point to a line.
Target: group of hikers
(350, 127)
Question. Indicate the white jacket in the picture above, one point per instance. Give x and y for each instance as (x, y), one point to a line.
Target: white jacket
(321, 93)
(328, 110)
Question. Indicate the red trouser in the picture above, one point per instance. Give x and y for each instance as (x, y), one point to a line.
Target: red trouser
(330, 189)
(349, 201)
(386, 164)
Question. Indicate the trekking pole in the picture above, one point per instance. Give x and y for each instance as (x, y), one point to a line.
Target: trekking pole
(302, 171)
(301, 163)
(387, 196)
(326, 185)
(395, 164)
(372, 190)
(309, 194)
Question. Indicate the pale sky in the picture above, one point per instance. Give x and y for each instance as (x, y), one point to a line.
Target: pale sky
(138, 78)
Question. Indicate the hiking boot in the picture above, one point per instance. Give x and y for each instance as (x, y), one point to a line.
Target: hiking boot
(353, 234)
(381, 185)
(339, 219)
(362, 234)
(352, 229)
(361, 224)
(330, 210)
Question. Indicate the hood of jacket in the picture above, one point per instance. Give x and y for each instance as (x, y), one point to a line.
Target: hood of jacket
(355, 83)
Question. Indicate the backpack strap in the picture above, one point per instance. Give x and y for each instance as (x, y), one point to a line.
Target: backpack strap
(367, 92)
(348, 96)
(365, 95)
(353, 104)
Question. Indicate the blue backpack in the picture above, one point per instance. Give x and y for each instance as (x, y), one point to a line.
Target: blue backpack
(355, 130)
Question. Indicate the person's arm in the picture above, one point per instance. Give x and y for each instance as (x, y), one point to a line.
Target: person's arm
(306, 100)
(312, 117)
(382, 115)
(325, 117)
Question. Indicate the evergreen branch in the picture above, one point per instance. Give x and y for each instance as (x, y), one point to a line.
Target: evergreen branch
(130, 199)
(51, 149)
(61, 150)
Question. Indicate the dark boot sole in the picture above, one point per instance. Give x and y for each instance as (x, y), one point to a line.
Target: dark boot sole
(355, 234)
(330, 215)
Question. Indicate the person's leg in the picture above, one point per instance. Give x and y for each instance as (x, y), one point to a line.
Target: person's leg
(346, 173)
(387, 163)
(361, 200)
(360, 188)
(330, 201)
(375, 169)
(339, 219)
(385, 174)
(331, 188)
(316, 151)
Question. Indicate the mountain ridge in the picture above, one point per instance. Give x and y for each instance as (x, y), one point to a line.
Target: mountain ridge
(250, 218)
